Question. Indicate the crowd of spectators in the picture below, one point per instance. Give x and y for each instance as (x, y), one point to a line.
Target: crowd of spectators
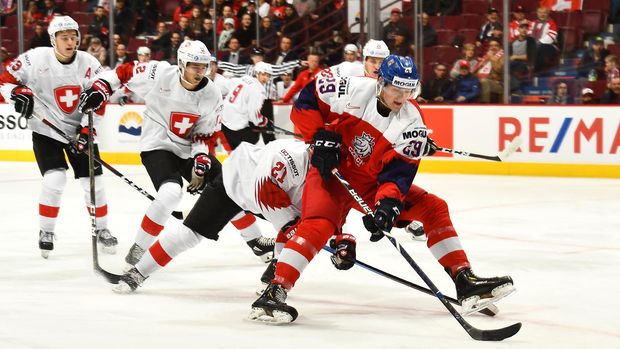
(537, 53)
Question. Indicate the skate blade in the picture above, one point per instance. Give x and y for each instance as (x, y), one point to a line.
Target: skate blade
(45, 253)
(108, 249)
(122, 288)
(278, 318)
(473, 304)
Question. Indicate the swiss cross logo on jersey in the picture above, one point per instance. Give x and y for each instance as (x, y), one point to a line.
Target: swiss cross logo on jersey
(181, 123)
(67, 98)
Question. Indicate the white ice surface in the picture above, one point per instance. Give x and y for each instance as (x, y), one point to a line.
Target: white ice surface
(558, 238)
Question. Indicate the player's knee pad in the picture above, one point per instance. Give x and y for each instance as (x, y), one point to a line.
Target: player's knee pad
(176, 241)
(85, 183)
(55, 180)
(170, 194)
(315, 231)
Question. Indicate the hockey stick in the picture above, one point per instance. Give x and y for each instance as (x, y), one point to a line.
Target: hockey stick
(490, 311)
(510, 149)
(475, 333)
(112, 278)
(283, 130)
(175, 214)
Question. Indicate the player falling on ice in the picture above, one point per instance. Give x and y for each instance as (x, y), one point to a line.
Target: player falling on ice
(183, 109)
(266, 180)
(47, 81)
(373, 133)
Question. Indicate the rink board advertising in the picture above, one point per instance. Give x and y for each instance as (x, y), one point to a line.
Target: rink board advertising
(573, 141)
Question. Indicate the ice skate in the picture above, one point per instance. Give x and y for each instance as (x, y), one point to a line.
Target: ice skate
(133, 256)
(270, 307)
(129, 282)
(107, 241)
(416, 230)
(46, 243)
(267, 276)
(476, 293)
(263, 247)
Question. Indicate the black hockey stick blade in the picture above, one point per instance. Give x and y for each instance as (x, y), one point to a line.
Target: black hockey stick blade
(109, 277)
(494, 335)
(401, 281)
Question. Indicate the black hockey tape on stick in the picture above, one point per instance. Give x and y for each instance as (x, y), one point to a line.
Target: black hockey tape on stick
(490, 311)
(475, 333)
(175, 214)
(502, 156)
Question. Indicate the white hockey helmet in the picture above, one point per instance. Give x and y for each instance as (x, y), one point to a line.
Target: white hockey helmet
(262, 67)
(375, 48)
(62, 23)
(193, 51)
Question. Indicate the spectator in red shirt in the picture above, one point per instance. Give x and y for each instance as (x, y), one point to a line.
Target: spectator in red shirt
(184, 9)
(519, 17)
(304, 77)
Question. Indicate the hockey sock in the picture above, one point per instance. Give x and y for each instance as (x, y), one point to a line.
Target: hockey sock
(168, 198)
(247, 226)
(283, 236)
(101, 203)
(443, 240)
(54, 182)
(166, 248)
(308, 240)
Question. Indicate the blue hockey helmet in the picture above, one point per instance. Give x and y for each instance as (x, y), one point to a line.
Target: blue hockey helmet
(399, 71)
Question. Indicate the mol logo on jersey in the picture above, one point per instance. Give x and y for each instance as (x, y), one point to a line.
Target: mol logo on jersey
(181, 123)
(362, 147)
(67, 98)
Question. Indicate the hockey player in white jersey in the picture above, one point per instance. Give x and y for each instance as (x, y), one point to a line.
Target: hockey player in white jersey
(183, 110)
(264, 180)
(242, 117)
(242, 122)
(373, 54)
(47, 81)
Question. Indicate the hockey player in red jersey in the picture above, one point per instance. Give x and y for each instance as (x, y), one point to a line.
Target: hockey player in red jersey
(183, 110)
(47, 81)
(373, 133)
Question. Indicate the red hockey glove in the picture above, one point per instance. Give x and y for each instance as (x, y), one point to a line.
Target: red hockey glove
(81, 142)
(24, 100)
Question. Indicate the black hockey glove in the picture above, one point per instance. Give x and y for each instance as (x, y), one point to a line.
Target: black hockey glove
(24, 100)
(202, 164)
(384, 217)
(430, 148)
(344, 251)
(326, 152)
(94, 97)
(81, 141)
